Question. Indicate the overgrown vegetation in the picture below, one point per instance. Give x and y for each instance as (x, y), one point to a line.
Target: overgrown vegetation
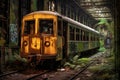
(105, 70)
(16, 62)
(77, 62)
(102, 48)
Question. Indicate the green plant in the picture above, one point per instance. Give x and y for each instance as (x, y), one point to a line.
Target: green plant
(77, 62)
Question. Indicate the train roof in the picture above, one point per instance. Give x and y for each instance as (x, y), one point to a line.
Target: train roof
(66, 19)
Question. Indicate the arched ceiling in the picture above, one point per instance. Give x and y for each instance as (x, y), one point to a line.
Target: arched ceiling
(98, 8)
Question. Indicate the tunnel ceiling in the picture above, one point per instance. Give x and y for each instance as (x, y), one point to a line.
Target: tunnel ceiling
(98, 8)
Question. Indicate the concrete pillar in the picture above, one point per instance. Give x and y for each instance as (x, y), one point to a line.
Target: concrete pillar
(2, 58)
(2, 53)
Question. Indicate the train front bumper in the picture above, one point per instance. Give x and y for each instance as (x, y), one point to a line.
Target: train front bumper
(39, 57)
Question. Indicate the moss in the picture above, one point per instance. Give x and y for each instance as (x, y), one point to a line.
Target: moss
(75, 58)
(111, 59)
(77, 62)
(67, 64)
(104, 76)
(94, 68)
(102, 49)
(105, 70)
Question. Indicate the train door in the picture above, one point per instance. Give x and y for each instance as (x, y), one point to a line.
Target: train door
(47, 29)
(59, 40)
(65, 38)
(62, 37)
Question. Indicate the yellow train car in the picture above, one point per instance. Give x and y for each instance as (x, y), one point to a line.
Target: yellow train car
(39, 36)
(48, 35)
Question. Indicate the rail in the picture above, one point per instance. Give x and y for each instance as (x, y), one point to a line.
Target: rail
(9, 73)
(81, 70)
(38, 75)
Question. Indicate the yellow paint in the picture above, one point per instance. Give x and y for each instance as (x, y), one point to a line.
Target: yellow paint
(52, 48)
(26, 49)
(35, 44)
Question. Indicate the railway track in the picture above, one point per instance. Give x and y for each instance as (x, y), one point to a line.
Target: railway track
(20, 75)
(56, 75)
(81, 71)
(67, 76)
(11, 73)
(38, 75)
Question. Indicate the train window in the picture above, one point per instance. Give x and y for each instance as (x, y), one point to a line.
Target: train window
(87, 34)
(72, 36)
(91, 37)
(81, 36)
(94, 37)
(46, 26)
(59, 28)
(29, 27)
(97, 38)
(84, 35)
(77, 34)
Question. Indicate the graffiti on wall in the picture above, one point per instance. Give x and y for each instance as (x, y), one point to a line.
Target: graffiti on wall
(13, 34)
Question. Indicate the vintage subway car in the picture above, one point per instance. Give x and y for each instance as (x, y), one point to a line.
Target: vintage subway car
(47, 35)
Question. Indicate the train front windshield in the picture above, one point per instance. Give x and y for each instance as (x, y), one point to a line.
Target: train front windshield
(46, 26)
(29, 27)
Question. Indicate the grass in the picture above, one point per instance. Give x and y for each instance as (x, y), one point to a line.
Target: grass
(77, 62)
(105, 70)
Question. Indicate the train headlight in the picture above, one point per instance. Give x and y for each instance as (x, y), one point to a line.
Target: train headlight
(25, 43)
(47, 43)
